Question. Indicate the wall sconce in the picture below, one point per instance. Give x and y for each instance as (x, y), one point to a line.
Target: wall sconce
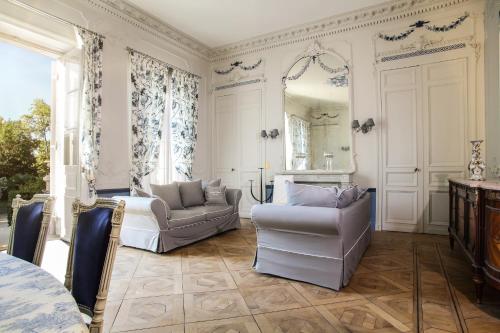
(273, 134)
(365, 128)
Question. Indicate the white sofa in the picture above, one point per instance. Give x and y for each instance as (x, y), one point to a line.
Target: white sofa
(149, 224)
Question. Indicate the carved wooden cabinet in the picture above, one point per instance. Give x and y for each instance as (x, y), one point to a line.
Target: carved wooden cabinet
(475, 227)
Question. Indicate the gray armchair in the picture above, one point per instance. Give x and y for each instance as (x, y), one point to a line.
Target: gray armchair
(318, 245)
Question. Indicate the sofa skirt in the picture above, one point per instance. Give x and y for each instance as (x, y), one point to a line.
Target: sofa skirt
(172, 238)
(353, 256)
(323, 271)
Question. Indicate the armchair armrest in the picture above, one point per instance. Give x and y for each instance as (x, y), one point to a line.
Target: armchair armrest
(152, 207)
(233, 197)
(301, 219)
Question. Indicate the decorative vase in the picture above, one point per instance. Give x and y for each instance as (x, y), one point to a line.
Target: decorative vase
(476, 165)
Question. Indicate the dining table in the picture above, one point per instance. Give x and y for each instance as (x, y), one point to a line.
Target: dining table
(32, 300)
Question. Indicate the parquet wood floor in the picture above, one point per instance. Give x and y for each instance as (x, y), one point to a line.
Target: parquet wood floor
(404, 283)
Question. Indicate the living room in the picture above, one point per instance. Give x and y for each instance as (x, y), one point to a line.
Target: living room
(267, 166)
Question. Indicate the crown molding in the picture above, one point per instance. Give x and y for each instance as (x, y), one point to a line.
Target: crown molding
(364, 18)
(391, 11)
(140, 19)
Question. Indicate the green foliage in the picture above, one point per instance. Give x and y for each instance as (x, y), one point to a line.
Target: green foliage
(24, 153)
(26, 186)
(16, 149)
(38, 122)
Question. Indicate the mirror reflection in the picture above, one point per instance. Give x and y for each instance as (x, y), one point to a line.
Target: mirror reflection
(317, 115)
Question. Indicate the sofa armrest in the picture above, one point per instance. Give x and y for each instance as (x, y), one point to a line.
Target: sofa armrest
(301, 219)
(354, 220)
(154, 207)
(233, 197)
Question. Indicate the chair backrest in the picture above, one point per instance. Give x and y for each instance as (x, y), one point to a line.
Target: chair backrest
(94, 240)
(30, 223)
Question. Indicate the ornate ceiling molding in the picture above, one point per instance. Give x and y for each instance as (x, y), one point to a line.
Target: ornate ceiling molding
(364, 18)
(360, 19)
(140, 19)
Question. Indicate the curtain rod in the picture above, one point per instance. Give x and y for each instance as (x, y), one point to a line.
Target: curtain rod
(52, 16)
(161, 61)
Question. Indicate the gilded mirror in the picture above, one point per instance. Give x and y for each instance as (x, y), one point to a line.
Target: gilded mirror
(317, 105)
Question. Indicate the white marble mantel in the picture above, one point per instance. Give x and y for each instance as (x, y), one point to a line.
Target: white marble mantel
(342, 177)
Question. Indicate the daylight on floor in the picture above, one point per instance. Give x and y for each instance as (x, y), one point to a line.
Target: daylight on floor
(268, 166)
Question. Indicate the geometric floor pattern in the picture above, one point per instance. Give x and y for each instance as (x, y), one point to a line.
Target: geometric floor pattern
(404, 283)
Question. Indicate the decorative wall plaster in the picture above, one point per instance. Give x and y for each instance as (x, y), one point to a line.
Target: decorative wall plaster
(364, 18)
(424, 24)
(238, 84)
(313, 54)
(424, 52)
(360, 19)
(237, 64)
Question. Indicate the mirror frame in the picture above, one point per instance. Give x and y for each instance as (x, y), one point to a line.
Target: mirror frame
(314, 50)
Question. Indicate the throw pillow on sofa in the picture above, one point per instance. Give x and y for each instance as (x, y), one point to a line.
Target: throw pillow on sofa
(215, 195)
(170, 194)
(347, 196)
(310, 195)
(143, 194)
(191, 193)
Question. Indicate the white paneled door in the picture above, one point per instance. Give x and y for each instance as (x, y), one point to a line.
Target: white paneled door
(423, 143)
(402, 150)
(238, 145)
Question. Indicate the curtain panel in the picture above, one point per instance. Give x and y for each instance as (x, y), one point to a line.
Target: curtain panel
(90, 113)
(300, 133)
(149, 84)
(184, 122)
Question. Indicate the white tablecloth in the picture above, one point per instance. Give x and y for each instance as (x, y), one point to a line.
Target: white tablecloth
(32, 300)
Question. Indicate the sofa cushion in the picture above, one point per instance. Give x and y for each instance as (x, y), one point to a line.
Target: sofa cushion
(215, 195)
(170, 194)
(215, 211)
(191, 193)
(310, 195)
(188, 216)
(347, 196)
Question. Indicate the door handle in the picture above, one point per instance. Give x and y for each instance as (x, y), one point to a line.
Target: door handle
(233, 169)
(416, 170)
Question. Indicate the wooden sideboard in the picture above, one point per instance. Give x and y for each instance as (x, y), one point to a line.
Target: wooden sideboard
(475, 227)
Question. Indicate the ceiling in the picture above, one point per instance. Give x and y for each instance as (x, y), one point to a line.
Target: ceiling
(220, 22)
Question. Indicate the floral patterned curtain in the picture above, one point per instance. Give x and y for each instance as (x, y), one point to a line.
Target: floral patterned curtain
(184, 121)
(90, 126)
(300, 135)
(149, 81)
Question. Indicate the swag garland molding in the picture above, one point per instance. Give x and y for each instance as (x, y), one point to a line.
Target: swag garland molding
(424, 24)
(238, 64)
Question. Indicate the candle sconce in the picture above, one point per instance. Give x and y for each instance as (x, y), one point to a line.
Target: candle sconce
(262, 197)
(365, 128)
(273, 134)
